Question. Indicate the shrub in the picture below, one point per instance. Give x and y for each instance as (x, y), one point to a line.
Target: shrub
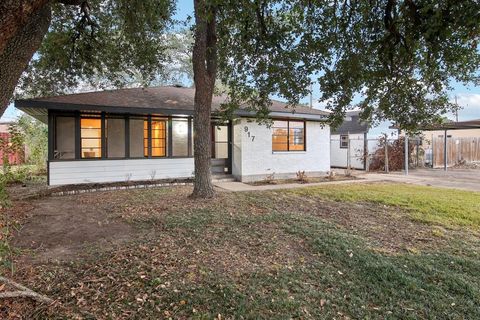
(270, 178)
(302, 177)
(396, 155)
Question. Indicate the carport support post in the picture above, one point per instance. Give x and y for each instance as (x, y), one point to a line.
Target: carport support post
(445, 160)
(406, 154)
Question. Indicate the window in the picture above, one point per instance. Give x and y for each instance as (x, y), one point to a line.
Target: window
(64, 138)
(158, 135)
(115, 135)
(288, 136)
(343, 141)
(180, 137)
(219, 142)
(136, 136)
(91, 137)
(146, 136)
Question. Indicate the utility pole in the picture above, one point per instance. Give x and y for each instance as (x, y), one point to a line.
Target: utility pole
(311, 96)
(456, 109)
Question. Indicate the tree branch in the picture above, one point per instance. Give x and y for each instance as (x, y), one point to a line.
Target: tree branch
(71, 2)
(22, 292)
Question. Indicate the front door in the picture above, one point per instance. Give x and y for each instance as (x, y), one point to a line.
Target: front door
(221, 148)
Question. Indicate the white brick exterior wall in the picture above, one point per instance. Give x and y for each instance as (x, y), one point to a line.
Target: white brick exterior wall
(254, 158)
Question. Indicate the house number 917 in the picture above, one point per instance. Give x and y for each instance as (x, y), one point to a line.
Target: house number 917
(248, 133)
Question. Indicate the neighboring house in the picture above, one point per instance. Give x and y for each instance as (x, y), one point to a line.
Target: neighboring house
(14, 157)
(348, 142)
(142, 134)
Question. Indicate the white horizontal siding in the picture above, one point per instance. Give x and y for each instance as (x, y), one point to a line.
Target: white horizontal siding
(99, 171)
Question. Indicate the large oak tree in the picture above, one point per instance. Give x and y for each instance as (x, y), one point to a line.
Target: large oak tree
(394, 59)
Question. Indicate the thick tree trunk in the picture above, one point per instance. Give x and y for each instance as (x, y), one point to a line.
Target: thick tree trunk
(204, 74)
(22, 29)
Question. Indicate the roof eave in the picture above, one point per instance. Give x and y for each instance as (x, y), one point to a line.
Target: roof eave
(286, 115)
(60, 106)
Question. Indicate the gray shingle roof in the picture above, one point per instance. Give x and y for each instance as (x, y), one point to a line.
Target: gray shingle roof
(352, 124)
(168, 99)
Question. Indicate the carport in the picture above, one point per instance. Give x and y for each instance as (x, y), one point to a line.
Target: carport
(446, 127)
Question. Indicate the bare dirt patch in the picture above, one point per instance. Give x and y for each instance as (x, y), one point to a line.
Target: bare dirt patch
(62, 228)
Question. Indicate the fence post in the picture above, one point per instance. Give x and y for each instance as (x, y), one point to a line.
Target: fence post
(445, 160)
(418, 150)
(386, 154)
(367, 153)
(348, 155)
(406, 154)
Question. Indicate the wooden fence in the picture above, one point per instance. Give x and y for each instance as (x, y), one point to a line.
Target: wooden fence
(459, 150)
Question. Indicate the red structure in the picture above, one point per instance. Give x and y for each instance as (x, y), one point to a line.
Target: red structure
(13, 157)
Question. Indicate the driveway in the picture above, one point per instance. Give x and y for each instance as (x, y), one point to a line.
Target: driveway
(464, 179)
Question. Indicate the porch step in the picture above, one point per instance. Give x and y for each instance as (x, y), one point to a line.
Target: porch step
(222, 178)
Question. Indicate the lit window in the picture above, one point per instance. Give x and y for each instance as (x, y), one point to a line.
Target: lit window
(157, 135)
(288, 136)
(343, 141)
(145, 138)
(91, 137)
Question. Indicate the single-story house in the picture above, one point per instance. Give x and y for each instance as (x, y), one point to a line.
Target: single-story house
(349, 142)
(147, 133)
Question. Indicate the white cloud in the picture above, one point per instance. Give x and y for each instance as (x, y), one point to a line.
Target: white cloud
(470, 106)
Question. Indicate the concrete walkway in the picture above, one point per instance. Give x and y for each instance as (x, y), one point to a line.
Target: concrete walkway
(463, 179)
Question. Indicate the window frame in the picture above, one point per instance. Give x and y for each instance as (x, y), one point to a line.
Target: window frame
(288, 135)
(104, 116)
(188, 121)
(165, 139)
(101, 138)
(342, 136)
(126, 135)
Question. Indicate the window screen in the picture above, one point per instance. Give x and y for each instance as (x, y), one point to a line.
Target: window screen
(64, 146)
(136, 128)
(115, 135)
(180, 137)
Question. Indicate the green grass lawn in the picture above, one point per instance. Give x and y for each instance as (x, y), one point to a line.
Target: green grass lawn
(343, 252)
(433, 205)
